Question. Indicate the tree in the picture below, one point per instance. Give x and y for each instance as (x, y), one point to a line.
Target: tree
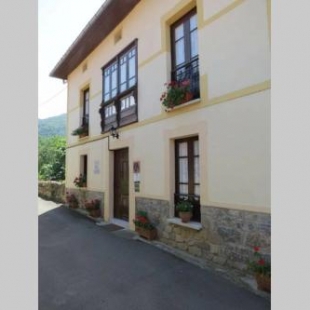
(51, 158)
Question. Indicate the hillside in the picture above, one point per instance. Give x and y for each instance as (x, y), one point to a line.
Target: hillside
(52, 126)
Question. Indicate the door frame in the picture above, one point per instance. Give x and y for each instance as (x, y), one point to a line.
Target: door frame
(113, 219)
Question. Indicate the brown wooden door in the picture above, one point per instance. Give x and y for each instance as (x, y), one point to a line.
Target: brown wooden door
(121, 184)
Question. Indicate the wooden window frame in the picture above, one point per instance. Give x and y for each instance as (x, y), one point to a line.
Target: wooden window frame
(130, 115)
(195, 199)
(191, 64)
(85, 102)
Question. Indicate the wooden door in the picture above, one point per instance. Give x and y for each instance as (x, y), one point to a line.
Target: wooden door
(121, 184)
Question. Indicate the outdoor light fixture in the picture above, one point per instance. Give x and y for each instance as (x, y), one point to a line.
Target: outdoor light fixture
(114, 132)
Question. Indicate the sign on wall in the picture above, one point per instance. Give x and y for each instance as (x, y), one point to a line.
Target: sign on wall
(96, 167)
(136, 175)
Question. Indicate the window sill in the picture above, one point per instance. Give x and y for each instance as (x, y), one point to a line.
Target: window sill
(183, 105)
(177, 221)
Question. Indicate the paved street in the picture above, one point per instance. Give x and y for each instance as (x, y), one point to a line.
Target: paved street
(82, 266)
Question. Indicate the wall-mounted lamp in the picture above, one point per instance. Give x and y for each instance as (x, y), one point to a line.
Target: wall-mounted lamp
(114, 132)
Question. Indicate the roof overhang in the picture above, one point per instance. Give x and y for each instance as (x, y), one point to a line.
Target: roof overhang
(110, 14)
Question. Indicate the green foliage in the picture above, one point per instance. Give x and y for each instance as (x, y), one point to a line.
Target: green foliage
(175, 93)
(259, 264)
(51, 158)
(83, 129)
(141, 220)
(80, 181)
(52, 126)
(184, 206)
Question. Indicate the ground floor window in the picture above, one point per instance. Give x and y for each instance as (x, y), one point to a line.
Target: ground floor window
(187, 176)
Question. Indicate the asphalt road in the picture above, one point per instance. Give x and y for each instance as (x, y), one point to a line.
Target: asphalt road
(84, 267)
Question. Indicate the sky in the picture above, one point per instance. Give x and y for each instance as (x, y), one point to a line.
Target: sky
(59, 23)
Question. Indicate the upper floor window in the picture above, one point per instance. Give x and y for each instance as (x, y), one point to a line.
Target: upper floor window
(85, 108)
(185, 60)
(119, 104)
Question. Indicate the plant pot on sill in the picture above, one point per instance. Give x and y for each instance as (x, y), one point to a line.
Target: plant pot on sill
(263, 282)
(82, 135)
(73, 205)
(94, 213)
(188, 96)
(185, 216)
(149, 234)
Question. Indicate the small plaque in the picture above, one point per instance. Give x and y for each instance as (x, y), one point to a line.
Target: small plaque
(136, 167)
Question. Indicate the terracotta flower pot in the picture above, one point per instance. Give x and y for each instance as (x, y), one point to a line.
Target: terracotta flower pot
(263, 282)
(94, 213)
(189, 96)
(82, 135)
(185, 216)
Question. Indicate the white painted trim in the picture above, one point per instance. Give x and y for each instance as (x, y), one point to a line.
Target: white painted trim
(192, 225)
(183, 105)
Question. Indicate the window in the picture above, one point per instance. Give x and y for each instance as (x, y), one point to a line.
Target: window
(119, 104)
(187, 178)
(83, 168)
(85, 109)
(185, 60)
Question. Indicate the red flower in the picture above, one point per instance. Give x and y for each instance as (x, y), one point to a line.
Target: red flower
(185, 83)
(261, 262)
(256, 249)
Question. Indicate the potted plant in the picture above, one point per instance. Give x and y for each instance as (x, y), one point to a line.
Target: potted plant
(81, 131)
(185, 209)
(80, 181)
(176, 93)
(93, 207)
(262, 270)
(72, 201)
(144, 227)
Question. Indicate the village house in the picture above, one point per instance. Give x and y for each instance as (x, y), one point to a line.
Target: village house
(137, 151)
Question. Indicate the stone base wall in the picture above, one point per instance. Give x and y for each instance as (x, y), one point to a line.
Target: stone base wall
(83, 194)
(52, 190)
(227, 236)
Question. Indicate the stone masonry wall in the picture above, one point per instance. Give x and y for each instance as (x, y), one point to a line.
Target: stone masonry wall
(227, 236)
(83, 194)
(52, 190)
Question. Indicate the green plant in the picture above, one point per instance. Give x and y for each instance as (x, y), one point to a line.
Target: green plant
(184, 206)
(259, 265)
(83, 129)
(175, 93)
(141, 220)
(80, 180)
(51, 158)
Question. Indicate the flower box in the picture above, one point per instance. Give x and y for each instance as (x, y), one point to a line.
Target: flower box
(262, 270)
(177, 93)
(147, 233)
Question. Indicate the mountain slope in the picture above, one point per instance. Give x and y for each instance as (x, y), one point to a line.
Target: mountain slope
(53, 126)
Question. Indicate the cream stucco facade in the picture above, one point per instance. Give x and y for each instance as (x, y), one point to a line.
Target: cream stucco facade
(231, 117)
